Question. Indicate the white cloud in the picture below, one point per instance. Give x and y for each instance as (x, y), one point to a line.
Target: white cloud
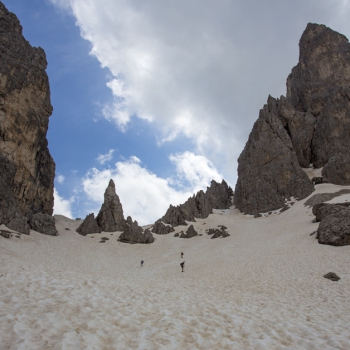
(103, 158)
(60, 179)
(199, 68)
(145, 196)
(62, 206)
(196, 169)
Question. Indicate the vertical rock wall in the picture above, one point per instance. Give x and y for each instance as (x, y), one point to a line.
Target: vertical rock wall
(28, 169)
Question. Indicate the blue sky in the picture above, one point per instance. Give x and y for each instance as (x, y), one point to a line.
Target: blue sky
(160, 96)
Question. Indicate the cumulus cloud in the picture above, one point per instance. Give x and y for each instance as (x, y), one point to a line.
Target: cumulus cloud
(145, 196)
(60, 178)
(103, 158)
(62, 206)
(197, 170)
(199, 68)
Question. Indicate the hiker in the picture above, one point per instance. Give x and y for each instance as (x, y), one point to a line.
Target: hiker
(182, 255)
(182, 266)
(142, 263)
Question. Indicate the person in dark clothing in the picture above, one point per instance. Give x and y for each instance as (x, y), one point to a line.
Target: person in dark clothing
(182, 266)
(142, 263)
(182, 255)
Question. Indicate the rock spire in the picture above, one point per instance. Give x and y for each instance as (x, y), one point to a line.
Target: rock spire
(308, 127)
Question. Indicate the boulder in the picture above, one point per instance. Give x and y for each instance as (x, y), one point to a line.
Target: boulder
(324, 209)
(334, 229)
(332, 276)
(43, 223)
(89, 225)
(111, 217)
(28, 170)
(133, 233)
(162, 229)
(191, 232)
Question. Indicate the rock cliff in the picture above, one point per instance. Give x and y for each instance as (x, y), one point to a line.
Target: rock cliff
(311, 125)
(111, 217)
(217, 196)
(28, 169)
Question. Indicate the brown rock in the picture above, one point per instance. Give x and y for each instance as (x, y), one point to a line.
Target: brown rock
(133, 233)
(332, 276)
(89, 225)
(111, 218)
(191, 232)
(44, 224)
(28, 168)
(162, 229)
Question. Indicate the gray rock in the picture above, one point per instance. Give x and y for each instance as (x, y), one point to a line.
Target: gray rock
(334, 228)
(332, 276)
(324, 197)
(162, 229)
(19, 223)
(201, 205)
(27, 168)
(191, 232)
(324, 209)
(133, 233)
(5, 234)
(337, 169)
(309, 125)
(111, 217)
(44, 224)
(268, 168)
(89, 225)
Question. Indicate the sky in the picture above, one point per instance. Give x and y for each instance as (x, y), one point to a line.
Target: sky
(160, 95)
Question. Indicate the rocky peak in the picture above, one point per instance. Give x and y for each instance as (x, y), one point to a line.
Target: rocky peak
(111, 217)
(309, 126)
(217, 196)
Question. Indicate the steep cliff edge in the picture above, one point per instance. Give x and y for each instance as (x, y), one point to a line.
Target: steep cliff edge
(311, 125)
(27, 168)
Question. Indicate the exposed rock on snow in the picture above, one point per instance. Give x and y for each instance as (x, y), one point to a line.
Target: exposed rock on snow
(191, 232)
(89, 225)
(27, 168)
(332, 276)
(334, 228)
(162, 229)
(44, 224)
(310, 125)
(133, 233)
(217, 196)
(111, 218)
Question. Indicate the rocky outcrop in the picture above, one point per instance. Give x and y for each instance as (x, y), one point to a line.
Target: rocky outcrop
(111, 217)
(133, 233)
(27, 168)
(89, 225)
(216, 233)
(334, 228)
(44, 224)
(332, 276)
(308, 126)
(162, 229)
(191, 232)
(217, 196)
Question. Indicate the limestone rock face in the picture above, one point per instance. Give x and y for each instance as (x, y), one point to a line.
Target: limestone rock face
(111, 217)
(311, 125)
(44, 224)
(217, 196)
(191, 232)
(162, 229)
(133, 233)
(89, 225)
(334, 228)
(28, 169)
